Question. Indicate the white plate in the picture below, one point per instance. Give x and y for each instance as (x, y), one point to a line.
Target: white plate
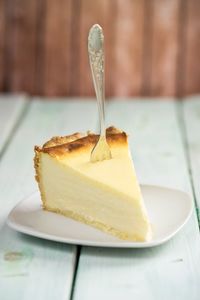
(168, 210)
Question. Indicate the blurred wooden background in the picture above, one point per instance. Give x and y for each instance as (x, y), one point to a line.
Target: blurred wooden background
(152, 46)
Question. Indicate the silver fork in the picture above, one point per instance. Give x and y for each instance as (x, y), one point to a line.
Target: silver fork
(101, 150)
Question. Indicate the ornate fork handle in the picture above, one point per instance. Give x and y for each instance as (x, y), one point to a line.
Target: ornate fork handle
(96, 57)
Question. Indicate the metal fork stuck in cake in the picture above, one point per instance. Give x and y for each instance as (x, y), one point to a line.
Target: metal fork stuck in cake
(101, 150)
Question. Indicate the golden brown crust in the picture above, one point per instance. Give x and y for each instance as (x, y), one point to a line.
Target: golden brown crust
(37, 173)
(59, 146)
(36, 164)
(59, 140)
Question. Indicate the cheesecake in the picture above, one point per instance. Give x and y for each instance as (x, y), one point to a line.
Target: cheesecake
(103, 194)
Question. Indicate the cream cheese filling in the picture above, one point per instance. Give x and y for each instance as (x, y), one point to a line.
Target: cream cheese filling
(94, 194)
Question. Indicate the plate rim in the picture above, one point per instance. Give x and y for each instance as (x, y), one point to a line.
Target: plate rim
(78, 242)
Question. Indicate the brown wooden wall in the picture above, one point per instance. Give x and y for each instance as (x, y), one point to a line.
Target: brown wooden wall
(152, 46)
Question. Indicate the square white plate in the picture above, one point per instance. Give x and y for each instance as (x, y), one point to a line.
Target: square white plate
(168, 210)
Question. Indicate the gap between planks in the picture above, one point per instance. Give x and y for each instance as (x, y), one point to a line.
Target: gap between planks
(183, 133)
(76, 264)
(190, 113)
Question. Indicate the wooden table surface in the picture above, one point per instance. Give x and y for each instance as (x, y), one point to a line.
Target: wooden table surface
(165, 143)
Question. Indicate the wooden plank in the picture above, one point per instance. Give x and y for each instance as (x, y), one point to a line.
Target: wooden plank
(57, 48)
(75, 48)
(11, 109)
(21, 45)
(191, 115)
(191, 80)
(2, 42)
(93, 12)
(147, 47)
(165, 47)
(44, 269)
(40, 48)
(170, 271)
(128, 48)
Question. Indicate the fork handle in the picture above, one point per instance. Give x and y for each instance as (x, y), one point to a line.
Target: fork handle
(96, 58)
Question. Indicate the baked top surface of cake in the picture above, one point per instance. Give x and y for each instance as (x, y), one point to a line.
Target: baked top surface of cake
(103, 194)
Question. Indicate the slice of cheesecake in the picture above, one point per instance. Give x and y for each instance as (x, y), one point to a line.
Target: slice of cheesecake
(103, 194)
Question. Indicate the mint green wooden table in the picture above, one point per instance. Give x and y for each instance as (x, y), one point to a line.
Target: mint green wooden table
(165, 142)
